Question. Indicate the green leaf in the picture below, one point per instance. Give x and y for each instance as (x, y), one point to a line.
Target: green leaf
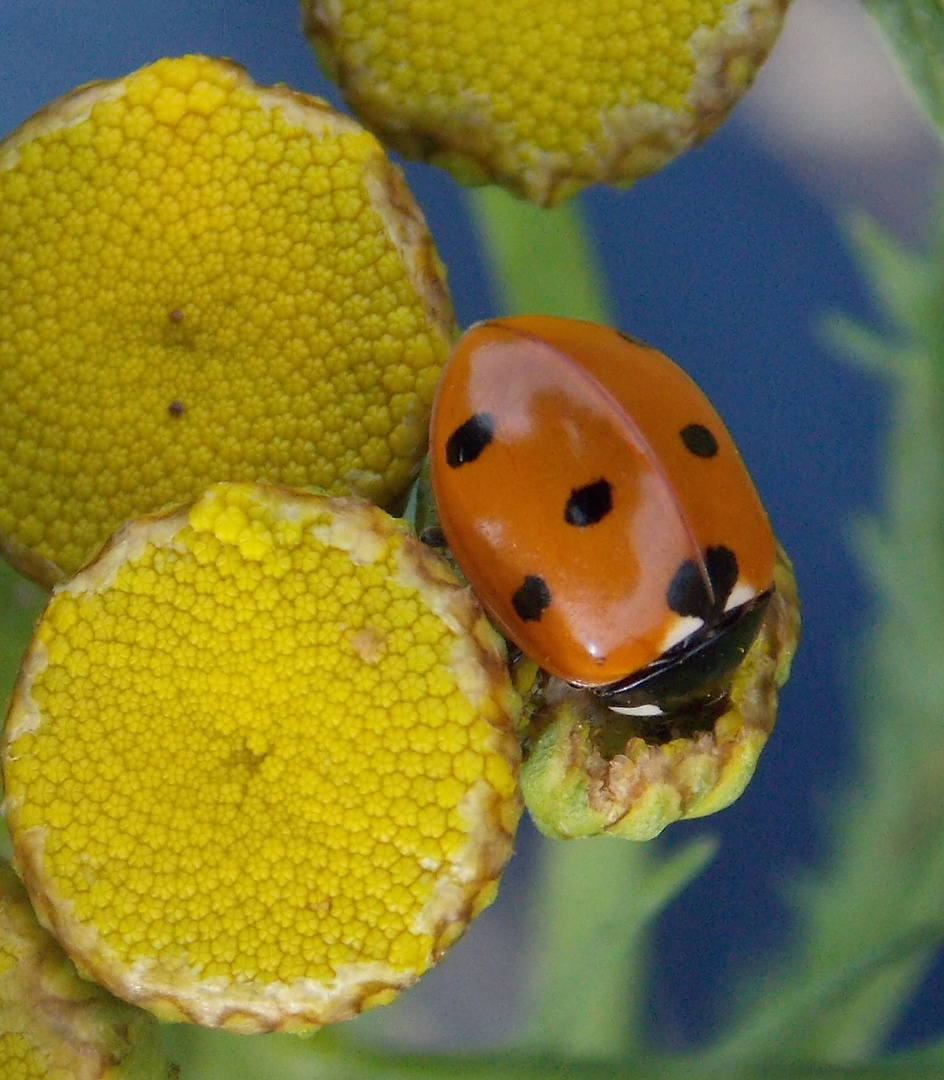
(871, 350)
(903, 281)
(786, 1022)
(915, 31)
(869, 919)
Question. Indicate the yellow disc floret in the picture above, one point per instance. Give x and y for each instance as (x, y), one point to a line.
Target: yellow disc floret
(543, 97)
(202, 279)
(54, 1025)
(260, 769)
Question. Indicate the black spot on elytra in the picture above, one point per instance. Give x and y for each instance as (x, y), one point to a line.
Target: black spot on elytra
(469, 440)
(589, 504)
(531, 598)
(699, 440)
(176, 409)
(723, 572)
(688, 593)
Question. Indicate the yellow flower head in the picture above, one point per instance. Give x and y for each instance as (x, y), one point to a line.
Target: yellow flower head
(54, 1025)
(543, 97)
(589, 772)
(202, 279)
(260, 768)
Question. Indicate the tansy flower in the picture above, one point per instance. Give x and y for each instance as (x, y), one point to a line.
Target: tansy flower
(588, 771)
(260, 768)
(202, 279)
(54, 1025)
(543, 97)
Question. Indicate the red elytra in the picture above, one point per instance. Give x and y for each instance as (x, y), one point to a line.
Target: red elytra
(592, 497)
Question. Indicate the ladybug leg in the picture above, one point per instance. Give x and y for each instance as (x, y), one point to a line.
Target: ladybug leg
(514, 653)
(433, 536)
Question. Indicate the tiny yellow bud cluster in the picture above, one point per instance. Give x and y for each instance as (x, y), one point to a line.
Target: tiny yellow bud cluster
(54, 1025)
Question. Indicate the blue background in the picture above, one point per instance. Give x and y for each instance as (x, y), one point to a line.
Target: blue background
(728, 266)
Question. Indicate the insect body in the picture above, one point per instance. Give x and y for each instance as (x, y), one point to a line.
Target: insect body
(600, 510)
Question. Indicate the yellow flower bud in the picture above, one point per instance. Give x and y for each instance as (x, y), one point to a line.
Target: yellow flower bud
(588, 771)
(260, 765)
(543, 97)
(203, 279)
(54, 1025)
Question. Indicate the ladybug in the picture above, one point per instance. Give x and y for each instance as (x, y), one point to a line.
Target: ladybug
(600, 510)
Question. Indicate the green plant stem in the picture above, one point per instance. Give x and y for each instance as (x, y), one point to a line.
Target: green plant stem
(542, 261)
(367, 1065)
(330, 1056)
(593, 908)
(594, 900)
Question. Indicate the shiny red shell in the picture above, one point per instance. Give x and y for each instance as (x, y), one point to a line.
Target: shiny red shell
(535, 415)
